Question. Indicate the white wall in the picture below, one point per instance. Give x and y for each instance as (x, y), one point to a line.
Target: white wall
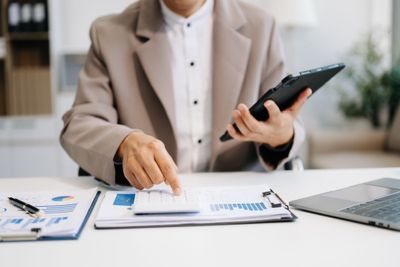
(76, 17)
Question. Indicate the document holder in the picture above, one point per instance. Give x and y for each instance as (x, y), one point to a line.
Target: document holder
(34, 234)
(219, 205)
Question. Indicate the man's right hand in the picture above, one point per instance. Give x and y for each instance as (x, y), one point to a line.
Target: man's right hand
(146, 162)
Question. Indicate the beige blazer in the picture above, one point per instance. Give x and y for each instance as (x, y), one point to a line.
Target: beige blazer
(126, 84)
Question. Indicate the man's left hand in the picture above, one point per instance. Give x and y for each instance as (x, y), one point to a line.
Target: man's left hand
(276, 131)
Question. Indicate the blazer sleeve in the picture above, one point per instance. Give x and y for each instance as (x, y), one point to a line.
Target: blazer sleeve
(91, 134)
(274, 71)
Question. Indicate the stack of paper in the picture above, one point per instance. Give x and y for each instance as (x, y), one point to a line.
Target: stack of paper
(64, 213)
(219, 205)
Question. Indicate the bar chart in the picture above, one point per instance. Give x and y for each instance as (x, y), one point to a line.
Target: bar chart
(24, 223)
(58, 209)
(32, 223)
(56, 220)
(258, 206)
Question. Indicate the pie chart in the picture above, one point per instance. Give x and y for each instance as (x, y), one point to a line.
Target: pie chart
(62, 198)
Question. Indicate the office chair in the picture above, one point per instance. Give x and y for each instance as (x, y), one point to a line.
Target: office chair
(82, 172)
(118, 173)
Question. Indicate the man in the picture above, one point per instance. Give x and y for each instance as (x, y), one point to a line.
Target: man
(160, 84)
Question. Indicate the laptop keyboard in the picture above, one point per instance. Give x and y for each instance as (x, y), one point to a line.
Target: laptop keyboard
(385, 208)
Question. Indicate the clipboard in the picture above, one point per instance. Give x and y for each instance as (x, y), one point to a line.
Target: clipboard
(243, 205)
(35, 234)
(278, 202)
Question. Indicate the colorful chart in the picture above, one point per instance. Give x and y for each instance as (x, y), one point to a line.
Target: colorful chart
(62, 198)
(57, 209)
(56, 220)
(238, 206)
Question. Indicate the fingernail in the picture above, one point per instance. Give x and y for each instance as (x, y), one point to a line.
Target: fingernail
(268, 103)
(177, 191)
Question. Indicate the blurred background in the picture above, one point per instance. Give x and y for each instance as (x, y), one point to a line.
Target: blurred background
(351, 122)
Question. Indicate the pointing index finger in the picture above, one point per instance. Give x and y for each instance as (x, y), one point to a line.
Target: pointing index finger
(169, 171)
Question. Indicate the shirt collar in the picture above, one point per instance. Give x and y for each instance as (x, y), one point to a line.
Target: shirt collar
(171, 18)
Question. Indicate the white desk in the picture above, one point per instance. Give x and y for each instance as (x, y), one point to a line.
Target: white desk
(312, 240)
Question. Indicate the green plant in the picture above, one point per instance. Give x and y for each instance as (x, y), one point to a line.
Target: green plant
(376, 88)
(391, 80)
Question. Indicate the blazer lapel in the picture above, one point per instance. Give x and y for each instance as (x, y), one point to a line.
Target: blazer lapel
(155, 57)
(231, 52)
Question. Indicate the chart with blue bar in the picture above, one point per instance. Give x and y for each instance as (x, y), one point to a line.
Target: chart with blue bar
(62, 214)
(259, 206)
(58, 209)
(28, 223)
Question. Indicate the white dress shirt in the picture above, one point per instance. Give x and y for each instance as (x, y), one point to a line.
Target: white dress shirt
(191, 42)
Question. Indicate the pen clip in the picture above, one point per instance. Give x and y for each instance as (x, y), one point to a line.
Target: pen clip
(38, 214)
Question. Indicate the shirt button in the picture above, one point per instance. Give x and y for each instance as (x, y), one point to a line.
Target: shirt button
(192, 64)
(189, 25)
(195, 102)
(200, 141)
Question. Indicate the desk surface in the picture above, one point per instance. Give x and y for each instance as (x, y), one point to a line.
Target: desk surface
(312, 240)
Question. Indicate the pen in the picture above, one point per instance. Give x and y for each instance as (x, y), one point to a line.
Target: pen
(31, 210)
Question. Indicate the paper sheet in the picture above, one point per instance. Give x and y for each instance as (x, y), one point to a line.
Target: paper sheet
(218, 205)
(64, 212)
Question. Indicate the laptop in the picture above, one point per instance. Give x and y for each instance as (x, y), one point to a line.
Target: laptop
(375, 203)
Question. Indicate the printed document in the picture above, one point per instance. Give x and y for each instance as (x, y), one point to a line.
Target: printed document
(63, 212)
(219, 205)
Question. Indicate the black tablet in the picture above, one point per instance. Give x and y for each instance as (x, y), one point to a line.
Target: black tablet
(287, 91)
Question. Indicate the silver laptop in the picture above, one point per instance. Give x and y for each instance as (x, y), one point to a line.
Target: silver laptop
(376, 203)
